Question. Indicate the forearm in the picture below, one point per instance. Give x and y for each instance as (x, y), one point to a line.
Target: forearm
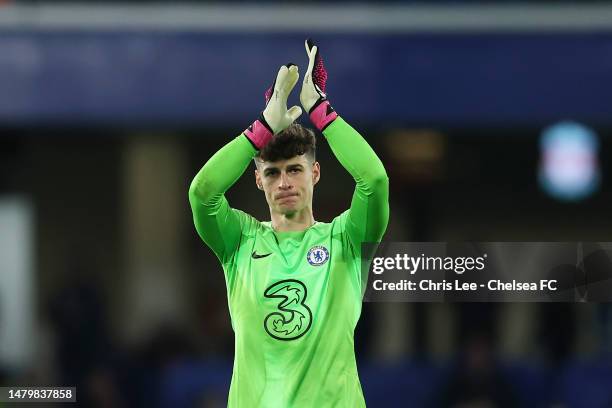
(355, 155)
(221, 171)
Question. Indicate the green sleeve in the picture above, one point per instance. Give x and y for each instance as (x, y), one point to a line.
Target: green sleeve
(366, 220)
(217, 223)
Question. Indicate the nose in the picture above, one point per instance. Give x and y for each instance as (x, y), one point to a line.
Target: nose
(284, 181)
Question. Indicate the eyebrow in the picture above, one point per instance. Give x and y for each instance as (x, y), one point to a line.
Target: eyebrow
(270, 169)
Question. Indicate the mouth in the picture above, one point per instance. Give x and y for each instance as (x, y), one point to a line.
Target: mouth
(286, 196)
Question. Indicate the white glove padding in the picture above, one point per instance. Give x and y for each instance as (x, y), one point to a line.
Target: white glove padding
(310, 93)
(276, 114)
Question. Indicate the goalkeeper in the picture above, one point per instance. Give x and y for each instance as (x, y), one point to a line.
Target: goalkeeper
(294, 284)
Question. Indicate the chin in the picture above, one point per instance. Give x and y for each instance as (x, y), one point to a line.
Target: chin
(289, 209)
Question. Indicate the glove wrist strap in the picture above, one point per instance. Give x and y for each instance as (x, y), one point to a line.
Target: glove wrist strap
(259, 133)
(322, 114)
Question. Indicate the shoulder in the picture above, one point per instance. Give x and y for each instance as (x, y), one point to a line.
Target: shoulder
(339, 222)
(335, 226)
(249, 224)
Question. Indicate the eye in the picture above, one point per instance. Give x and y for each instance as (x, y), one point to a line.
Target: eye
(295, 170)
(271, 173)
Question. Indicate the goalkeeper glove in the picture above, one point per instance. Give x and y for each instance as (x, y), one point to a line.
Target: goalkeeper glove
(276, 117)
(313, 96)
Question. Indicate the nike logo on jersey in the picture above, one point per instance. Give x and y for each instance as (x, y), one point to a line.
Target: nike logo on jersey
(257, 256)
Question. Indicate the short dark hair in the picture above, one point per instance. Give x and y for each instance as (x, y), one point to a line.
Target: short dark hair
(294, 141)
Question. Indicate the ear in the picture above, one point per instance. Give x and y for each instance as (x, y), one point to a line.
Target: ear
(316, 173)
(258, 180)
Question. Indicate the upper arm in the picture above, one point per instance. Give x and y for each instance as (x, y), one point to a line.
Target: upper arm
(367, 218)
(217, 224)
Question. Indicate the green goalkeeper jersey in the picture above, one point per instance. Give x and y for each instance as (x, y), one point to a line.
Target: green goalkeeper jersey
(294, 297)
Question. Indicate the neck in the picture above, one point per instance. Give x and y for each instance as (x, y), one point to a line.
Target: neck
(298, 221)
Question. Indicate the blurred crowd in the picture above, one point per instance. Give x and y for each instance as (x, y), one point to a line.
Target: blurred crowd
(436, 354)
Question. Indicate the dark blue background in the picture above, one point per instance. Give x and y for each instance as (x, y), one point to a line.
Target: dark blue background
(208, 79)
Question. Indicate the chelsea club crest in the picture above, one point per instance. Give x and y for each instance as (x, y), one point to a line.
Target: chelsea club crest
(317, 255)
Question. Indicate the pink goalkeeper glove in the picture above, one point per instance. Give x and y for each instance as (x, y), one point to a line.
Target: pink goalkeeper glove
(313, 97)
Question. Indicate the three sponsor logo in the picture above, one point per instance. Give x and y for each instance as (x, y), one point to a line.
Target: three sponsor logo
(292, 317)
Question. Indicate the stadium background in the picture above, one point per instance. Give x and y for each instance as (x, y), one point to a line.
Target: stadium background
(107, 111)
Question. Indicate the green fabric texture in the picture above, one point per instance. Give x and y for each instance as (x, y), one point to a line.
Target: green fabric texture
(294, 297)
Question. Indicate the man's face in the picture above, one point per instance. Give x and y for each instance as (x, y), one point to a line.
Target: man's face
(288, 184)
